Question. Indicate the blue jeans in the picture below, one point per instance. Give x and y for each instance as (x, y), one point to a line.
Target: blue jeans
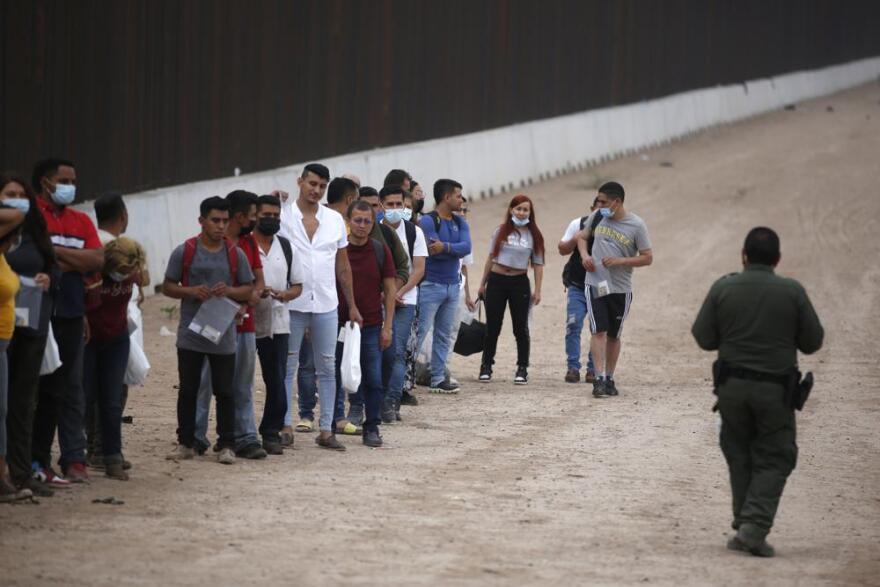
(370, 394)
(272, 351)
(4, 391)
(306, 383)
(242, 394)
(104, 368)
(438, 303)
(574, 325)
(322, 336)
(394, 357)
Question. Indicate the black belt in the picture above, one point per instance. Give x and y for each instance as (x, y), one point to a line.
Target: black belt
(748, 374)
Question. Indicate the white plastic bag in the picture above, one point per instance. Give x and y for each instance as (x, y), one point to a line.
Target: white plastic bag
(138, 365)
(350, 369)
(51, 356)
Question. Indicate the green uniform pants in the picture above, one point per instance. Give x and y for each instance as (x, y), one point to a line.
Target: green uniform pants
(758, 441)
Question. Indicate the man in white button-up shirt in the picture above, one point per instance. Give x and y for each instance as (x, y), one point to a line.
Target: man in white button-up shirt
(319, 238)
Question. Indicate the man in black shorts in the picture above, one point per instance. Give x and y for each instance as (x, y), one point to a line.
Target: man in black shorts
(620, 243)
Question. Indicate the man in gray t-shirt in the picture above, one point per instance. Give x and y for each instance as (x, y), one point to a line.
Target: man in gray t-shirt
(610, 251)
(197, 271)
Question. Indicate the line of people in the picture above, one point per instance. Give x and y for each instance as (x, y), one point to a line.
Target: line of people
(277, 279)
(65, 295)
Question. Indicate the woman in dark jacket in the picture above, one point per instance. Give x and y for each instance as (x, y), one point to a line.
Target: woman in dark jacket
(35, 259)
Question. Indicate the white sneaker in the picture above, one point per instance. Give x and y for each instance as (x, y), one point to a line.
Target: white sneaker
(181, 453)
(226, 457)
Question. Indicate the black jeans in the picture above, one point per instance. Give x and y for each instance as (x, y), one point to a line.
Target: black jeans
(25, 354)
(500, 291)
(272, 352)
(61, 400)
(103, 374)
(189, 368)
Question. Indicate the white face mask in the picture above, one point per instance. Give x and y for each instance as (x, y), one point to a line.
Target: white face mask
(119, 277)
(64, 194)
(518, 222)
(407, 214)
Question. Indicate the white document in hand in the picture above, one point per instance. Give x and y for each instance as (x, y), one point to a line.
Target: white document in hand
(214, 318)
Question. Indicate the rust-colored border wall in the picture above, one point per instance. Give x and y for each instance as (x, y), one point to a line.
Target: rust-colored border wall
(146, 93)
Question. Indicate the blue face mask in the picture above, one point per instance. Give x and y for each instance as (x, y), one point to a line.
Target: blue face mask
(517, 222)
(606, 212)
(22, 204)
(64, 194)
(394, 215)
(380, 216)
(407, 214)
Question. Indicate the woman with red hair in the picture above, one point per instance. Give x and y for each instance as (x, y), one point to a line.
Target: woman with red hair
(515, 244)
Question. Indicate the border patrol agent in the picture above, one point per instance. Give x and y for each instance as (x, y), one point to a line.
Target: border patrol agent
(757, 321)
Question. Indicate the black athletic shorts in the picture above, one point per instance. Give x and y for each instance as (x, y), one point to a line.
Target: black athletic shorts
(608, 313)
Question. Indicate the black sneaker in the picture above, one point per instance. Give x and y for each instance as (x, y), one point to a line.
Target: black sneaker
(408, 399)
(599, 388)
(388, 413)
(610, 389)
(522, 376)
(485, 373)
(251, 451)
(372, 439)
(444, 387)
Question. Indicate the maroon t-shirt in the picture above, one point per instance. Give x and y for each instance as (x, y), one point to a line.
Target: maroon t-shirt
(367, 284)
(251, 249)
(109, 319)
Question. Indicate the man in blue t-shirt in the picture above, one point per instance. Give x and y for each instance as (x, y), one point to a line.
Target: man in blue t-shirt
(449, 240)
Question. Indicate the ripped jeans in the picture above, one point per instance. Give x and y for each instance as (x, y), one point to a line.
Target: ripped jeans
(576, 313)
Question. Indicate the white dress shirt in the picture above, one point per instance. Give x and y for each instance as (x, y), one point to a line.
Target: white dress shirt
(317, 256)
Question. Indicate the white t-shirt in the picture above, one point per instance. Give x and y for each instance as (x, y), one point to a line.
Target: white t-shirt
(465, 261)
(317, 256)
(420, 249)
(573, 228)
(271, 316)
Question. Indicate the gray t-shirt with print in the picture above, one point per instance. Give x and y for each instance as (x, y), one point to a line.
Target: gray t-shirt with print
(207, 269)
(619, 238)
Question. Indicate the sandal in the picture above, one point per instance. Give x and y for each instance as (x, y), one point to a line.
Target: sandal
(305, 425)
(347, 428)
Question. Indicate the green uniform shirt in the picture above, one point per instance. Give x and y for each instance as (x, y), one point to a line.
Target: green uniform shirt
(385, 234)
(758, 320)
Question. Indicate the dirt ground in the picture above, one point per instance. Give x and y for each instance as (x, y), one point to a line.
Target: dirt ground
(504, 485)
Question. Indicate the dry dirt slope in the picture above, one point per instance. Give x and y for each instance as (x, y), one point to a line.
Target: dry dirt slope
(520, 486)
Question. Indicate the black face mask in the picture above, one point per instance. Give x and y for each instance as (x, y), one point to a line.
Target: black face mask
(417, 206)
(269, 225)
(246, 229)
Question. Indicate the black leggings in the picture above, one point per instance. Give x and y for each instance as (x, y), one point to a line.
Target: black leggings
(500, 291)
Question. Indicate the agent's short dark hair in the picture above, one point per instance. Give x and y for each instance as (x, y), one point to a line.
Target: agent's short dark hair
(213, 203)
(367, 192)
(762, 246)
(240, 201)
(45, 168)
(444, 187)
(109, 207)
(613, 190)
(268, 200)
(396, 177)
(359, 205)
(318, 169)
(390, 190)
(339, 188)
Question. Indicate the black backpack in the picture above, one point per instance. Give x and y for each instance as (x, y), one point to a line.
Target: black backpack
(574, 264)
(288, 255)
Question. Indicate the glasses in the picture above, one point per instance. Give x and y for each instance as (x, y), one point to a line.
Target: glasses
(361, 221)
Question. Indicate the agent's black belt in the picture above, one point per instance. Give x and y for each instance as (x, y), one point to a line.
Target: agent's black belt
(748, 374)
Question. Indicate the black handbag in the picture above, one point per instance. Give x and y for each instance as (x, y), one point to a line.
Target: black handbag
(470, 336)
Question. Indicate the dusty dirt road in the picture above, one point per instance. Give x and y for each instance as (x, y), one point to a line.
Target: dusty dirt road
(504, 485)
